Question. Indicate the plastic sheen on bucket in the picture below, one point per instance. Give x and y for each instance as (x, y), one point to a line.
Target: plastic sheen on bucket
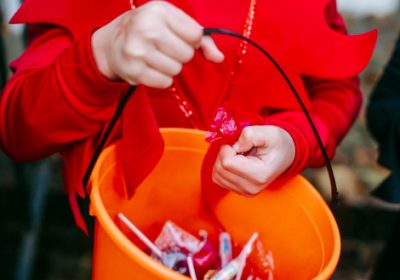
(293, 221)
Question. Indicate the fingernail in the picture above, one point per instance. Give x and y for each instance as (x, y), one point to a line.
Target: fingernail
(236, 147)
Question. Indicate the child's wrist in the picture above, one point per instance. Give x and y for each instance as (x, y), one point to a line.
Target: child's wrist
(99, 48)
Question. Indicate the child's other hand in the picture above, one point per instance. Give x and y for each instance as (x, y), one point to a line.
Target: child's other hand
(148, 45)
(260, 155)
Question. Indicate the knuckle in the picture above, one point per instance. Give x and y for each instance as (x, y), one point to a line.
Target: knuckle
(137, 72)
(250, 189)
(129, 79)
(126, 51)
(151, 35)
(149, 78)
(250, 192)
(261, 179)
(187, 55)
(153, 6)
(138, 76)
(165, 83)
(214, 178)
(157, 7)
(145, 28)
(247, 133)
(176, 69)
(141, 78)
(216, 169)
(194, 38)
(131, 52)
(226, 163)
(197, 34)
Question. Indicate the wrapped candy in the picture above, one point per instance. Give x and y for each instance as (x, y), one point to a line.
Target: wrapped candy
(235, 267)
(174, 238)
(177, 245)
(175, 261)
(181, 251)
(205, 258)
(224, 125)
(229, 122)
(225, 248)
(261, 263)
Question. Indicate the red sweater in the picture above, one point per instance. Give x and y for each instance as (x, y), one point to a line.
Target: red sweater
(58, 101)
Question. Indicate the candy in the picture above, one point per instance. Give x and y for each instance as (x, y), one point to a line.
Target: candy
(174, 238)
(225, 248)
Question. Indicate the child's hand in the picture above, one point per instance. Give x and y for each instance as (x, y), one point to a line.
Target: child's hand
(148, 45)
(260, 155)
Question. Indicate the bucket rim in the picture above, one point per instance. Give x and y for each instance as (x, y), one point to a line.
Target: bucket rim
(330, 267)
(98, 210)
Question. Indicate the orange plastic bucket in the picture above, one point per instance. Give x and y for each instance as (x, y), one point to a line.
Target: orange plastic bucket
(293, 221)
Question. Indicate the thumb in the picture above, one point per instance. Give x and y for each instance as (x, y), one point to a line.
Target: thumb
(210, 50)
(247, 140)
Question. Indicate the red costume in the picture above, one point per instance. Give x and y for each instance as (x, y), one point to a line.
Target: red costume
(57, 100)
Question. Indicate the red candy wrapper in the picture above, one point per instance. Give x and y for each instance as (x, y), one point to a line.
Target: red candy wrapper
(205, 258)
(177, 244)
(224, 126)
(228, 123)
(174, 238)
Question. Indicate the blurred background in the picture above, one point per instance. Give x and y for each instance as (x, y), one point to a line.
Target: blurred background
(38, 238)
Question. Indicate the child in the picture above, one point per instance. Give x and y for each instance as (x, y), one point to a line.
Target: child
(83, 56)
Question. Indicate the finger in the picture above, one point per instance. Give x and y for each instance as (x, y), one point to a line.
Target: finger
(163, 63)
(231, 180)
(210, 50)
(175, 47)
(250, 168)
(184, 26)
(221, 170)
(240, 166)
(129, 71)
(153, 78)
(249, 138)
(249, 173)
(238, 183)
(225, 155)
(224, 183)
(226, 152)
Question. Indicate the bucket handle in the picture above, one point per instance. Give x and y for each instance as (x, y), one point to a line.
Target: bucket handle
(104, 138)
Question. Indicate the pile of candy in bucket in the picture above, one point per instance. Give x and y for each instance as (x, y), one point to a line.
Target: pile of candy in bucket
(196, 257)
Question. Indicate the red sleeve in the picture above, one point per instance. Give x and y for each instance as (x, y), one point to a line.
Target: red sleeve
(335, 105)
(55, 97)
